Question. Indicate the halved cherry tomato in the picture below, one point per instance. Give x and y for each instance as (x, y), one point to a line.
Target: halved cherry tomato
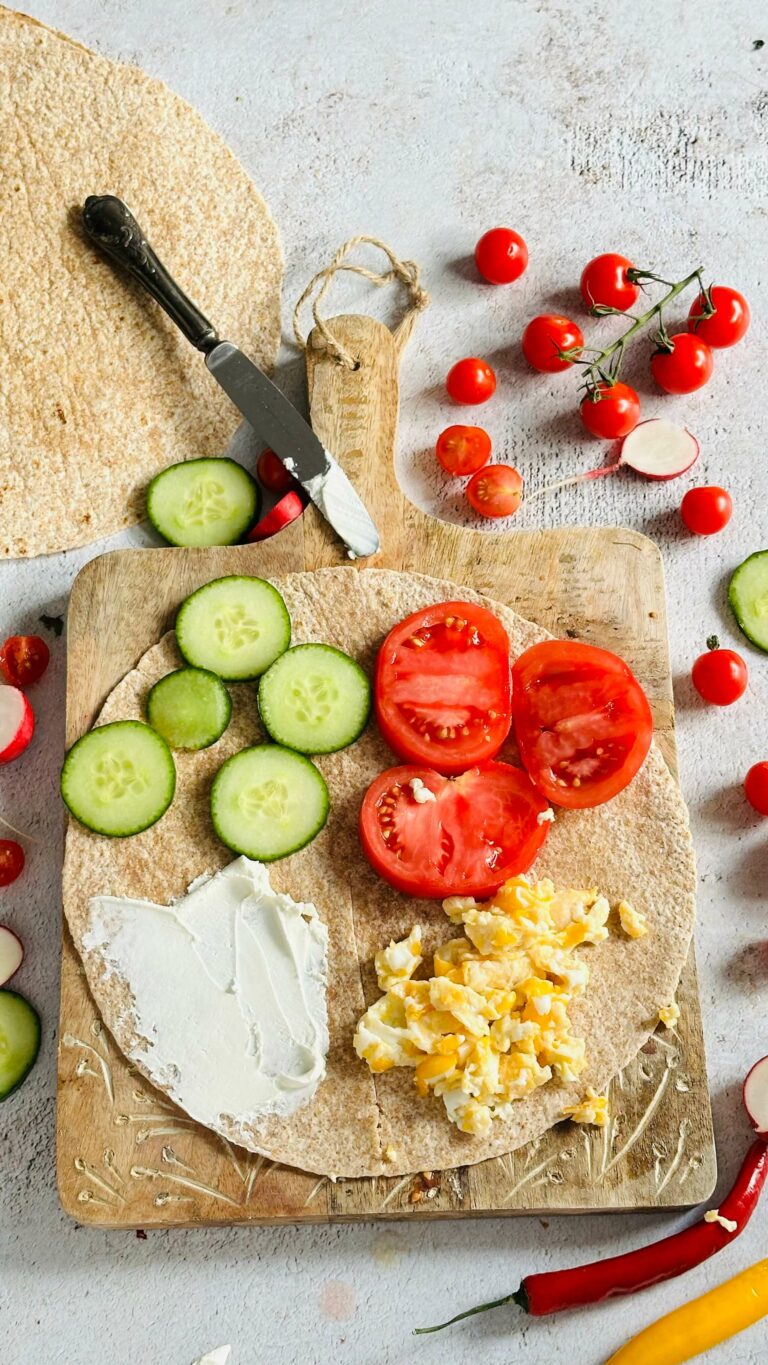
(495, 491)
(471, 380)
(290, 506)
(546, 338)
(273, 473)
(706, 510)
(462, 450)
(729, 322)
(604, 282)
(582, 721)
(613, 412)
(684, 369)
(720, 676)
(482, 828)
(11, 861)
(756, 787)
(24, 659)
(441, 690)
(501, 255)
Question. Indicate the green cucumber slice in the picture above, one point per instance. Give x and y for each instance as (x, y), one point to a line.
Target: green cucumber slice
(234, 626)
(267, 802)
(119, 778)
(748, 596)
(203, 502)
(190, 708)
(314, 699)
(19, 1040)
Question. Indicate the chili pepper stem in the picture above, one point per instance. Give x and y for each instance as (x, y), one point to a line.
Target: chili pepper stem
(574, 478)
(519, 1297)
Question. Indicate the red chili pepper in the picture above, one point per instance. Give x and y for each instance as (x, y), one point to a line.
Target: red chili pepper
(556, 1290)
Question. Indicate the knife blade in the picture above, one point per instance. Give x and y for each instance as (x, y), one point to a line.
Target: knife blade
(110, 223)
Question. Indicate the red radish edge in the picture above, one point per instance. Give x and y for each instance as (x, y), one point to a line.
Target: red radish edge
(755, 1096)
(17, 723)
(290, 506)
(11, 954)
(659, 449)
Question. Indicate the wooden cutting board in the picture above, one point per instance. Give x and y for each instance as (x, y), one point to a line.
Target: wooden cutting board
(126, 1157)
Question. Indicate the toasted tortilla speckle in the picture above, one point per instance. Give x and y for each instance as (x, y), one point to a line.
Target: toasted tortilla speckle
(98, 388)
(637, 847)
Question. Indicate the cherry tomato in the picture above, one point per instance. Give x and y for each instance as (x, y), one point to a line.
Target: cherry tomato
(24, 659)
(501, 255)
(471, 381)
(604, 281)
(273, 473)
(11, 861)
(441, 689)
(729, 322)
(706, 510)
(482, 828)
(290, 506)
(582, 721)
(546, 337)
(613, 413)
(495, 491)
(756, 787)
(687, 367)
(462, 450)
(720, 676)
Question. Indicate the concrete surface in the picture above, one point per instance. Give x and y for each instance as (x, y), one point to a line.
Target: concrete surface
(633, 127)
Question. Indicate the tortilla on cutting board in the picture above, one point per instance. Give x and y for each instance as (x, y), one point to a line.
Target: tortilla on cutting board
(637, 847)
(98, 389)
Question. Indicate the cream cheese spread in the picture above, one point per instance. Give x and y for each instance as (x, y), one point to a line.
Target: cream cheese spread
(228, 989)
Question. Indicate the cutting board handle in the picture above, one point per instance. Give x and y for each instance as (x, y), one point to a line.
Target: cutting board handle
(354, 412)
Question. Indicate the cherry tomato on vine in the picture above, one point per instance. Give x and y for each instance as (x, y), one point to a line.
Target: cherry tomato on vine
(720, 675)
(471, 380)
(24, 659)
(501, 255)
(11, 861)
(604, 281)
(463, 450)
(729, 322)
(613, 413)
(756, 787)
(495, 491)
(546, 337)
(686, 367)
(706, 510)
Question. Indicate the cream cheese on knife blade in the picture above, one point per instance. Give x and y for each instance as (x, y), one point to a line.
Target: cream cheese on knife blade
(229, 992)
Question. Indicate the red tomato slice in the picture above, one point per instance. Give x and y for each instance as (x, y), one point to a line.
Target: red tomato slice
(482, 828)
(582, 721)
(442, 689)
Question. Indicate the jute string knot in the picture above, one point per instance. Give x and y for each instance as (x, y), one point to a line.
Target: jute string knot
(403, 272)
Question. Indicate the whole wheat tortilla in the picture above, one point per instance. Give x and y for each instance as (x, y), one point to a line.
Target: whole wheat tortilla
(636, 847)
(98, 389)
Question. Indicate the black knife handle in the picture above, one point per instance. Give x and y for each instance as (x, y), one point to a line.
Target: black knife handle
(110, 223)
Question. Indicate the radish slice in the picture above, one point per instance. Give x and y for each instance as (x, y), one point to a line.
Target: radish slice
(11, 954)
(290, 506)
(755, 1095)
(659, 449)
(17, 723)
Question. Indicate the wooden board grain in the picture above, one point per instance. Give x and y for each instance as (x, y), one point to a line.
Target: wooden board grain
(127, 1158)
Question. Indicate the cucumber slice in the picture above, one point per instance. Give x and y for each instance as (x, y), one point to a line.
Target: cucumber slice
(314, 699)
(267, 802)
(748, 596)
(190, 708)
(119, 778)
(203, 502)
(235, 627)
(19, 1040)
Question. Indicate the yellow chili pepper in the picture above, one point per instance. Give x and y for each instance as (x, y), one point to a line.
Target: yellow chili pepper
(701, 1324)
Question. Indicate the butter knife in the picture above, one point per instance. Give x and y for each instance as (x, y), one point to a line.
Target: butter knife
(110, 223)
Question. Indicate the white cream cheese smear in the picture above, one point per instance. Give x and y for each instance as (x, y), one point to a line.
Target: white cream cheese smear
(229, 991)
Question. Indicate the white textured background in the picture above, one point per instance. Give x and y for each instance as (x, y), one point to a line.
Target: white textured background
(640, 128)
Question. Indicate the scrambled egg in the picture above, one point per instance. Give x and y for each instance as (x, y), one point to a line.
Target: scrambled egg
(632, 922)
(491, 1024)
(669, 1015)
(592, 1109)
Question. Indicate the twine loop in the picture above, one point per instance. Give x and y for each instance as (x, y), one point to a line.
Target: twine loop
(402, 272)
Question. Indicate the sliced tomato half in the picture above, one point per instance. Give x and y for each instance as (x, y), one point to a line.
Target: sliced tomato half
(442, 688)
(480, 829)
(582, 721)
